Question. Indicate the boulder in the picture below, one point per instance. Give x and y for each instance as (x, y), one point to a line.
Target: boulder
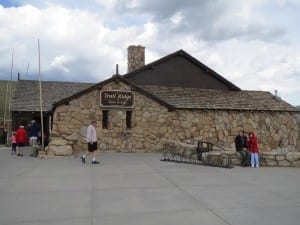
(284, 163)
(293, 156)
(73, 137)
(280, 158)
(296, 164)
(83, 131)
(236, 162)
(61, 150)
(58, 141)
(268, 157)
(271, 163)
(272, 153)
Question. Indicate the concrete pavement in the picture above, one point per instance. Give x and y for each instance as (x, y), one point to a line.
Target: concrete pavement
(131, 188)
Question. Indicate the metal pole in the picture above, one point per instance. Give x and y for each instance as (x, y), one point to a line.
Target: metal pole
(41, 98)
(7, 97)
(10, 97)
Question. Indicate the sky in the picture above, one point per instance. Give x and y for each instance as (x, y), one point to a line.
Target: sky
(255, 44)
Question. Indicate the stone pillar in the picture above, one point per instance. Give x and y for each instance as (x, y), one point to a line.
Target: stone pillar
(136, 57)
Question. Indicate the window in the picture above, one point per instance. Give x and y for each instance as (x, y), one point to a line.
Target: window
(105, 119)
(128, 119)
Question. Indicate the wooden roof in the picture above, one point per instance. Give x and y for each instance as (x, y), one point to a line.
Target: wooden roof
(181, 70)
(194, 98)
(115, 78)
(26, 94)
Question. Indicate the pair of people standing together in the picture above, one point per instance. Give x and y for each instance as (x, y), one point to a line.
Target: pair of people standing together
(251, 144)
(18, 138)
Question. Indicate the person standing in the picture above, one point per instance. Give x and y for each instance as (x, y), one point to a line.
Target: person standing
(21, 138)
(34, 131)
(13, 141)
(252, 144)
(4, 136)
(241, 146)
(91, 137)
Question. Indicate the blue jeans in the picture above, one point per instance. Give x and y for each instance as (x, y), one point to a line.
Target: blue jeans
(254, 159)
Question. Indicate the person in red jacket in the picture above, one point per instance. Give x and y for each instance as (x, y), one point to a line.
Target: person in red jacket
(252, 145)
(21, 138)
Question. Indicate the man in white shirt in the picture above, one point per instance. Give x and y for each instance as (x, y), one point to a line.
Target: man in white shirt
(91, 137)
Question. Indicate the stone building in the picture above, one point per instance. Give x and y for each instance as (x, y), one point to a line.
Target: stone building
(25, 105)
(173, 98)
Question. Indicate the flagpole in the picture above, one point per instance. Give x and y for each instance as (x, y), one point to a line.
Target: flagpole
(41, 98)
(7, 94)
(10, 96)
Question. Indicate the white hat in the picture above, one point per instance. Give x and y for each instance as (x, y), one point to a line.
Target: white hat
(21, 126)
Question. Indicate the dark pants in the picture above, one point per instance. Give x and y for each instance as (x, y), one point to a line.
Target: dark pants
(245, 157)
(14, 147)
(92, 146)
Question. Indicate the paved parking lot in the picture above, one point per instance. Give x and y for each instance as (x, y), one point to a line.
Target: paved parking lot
(131, 188)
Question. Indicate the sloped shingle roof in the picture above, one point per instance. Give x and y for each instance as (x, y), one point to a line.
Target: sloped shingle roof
(181, 53)
(26, 96)
(194, 98)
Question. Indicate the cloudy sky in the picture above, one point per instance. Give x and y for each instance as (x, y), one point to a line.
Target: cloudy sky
(254, 43)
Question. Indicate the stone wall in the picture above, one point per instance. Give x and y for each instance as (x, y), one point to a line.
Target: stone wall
(272, 158)
(149, 124)
(153, 125)
(275, 131)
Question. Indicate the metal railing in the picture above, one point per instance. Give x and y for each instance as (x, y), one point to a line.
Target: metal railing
(175, 151)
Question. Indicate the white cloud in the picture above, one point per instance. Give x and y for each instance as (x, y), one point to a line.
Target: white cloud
(251, 43)
(59, 62)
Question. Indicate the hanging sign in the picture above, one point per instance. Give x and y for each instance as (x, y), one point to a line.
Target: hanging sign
(117, 99)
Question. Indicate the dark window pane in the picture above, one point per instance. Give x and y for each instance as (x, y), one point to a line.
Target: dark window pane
(128, 119)
(105, 119)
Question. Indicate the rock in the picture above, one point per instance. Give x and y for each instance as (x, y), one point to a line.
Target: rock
(236, 162)
(214, 153)
(61, 150)
(77, 148)
(284, 163)
(73, 137)
(58, 141)
(296, 164)
(268, 157)
(271, 163)
(293, 156)
(50, 152)
(83, 131)
(280, 158)
(272, 153)
(228, 152)
(62, 128)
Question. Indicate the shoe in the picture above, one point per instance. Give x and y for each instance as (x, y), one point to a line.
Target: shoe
(82, 159)
(18, 154)
(95, 162)
(257, 166)
(252, 166)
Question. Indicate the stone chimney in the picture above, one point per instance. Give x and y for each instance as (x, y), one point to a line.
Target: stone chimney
(136, 57)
